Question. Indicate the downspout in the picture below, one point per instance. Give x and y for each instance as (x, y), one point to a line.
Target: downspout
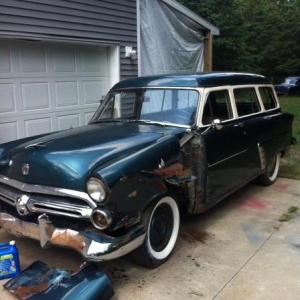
(138, 24)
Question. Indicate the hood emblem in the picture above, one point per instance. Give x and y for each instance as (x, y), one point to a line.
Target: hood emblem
(25, 169)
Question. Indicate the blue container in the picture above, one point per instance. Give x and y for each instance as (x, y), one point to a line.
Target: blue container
(9, 260)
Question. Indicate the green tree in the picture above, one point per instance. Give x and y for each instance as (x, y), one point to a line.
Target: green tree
(261, 36)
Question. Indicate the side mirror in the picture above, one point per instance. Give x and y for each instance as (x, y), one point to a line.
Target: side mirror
(217, 123)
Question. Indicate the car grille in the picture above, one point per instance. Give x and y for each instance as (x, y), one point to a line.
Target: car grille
(43, 203)
(8, 194)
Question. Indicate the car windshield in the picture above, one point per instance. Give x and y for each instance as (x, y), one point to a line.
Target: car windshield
(165, 106)
(290, 81)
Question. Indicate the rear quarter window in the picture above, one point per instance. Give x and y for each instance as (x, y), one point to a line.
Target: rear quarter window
(267, 97)
(246, 101)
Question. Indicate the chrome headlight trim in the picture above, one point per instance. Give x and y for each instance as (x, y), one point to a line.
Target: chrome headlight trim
(101, 218)
(96, 189)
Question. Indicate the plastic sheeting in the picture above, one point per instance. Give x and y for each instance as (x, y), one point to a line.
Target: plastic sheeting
(170, 42)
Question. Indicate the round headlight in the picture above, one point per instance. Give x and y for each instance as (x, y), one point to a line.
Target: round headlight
(96, 189)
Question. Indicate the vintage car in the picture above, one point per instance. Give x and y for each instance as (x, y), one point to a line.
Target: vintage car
(155, 144)
(290, 87)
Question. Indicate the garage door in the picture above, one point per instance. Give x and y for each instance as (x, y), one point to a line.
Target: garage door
(46, 87)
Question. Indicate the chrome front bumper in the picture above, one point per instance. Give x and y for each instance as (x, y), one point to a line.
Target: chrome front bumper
(92, 244)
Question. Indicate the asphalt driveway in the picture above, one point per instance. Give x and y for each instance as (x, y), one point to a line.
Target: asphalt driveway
(236, 250)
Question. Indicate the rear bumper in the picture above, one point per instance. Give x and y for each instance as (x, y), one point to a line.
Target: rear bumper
(91, 243)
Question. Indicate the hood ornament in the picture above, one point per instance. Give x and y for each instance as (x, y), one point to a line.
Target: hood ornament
(25, 169)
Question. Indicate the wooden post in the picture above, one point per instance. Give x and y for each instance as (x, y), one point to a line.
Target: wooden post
(208, 52)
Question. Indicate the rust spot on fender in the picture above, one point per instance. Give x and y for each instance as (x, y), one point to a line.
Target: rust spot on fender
(171, 171)
(23, 291)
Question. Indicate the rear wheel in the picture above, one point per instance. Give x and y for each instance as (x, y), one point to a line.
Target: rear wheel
(161, 221)
(271, 171)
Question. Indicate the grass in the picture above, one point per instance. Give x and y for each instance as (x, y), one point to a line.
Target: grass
(285, 217)
(290, 165)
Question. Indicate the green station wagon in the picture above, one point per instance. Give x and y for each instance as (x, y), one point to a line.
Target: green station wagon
(155, 144)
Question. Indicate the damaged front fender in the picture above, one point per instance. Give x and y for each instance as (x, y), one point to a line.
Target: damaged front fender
(39, 281)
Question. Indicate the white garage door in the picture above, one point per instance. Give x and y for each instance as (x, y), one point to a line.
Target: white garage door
(47, 87)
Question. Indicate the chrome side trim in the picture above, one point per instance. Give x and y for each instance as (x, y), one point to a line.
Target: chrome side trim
(94, 247)
(227, 158)
(47, 190)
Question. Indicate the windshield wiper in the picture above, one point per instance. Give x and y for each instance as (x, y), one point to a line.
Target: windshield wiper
(151, 122)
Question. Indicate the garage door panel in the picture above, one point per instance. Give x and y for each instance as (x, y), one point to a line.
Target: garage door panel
(5, 61)
(35, 95)
(93, 60)
(64, 60)
(38, 126)
(68, 121)
(7, 104)
(93, 91)
(87, 117)
(32, 59)
(8, 132)
(66, 93)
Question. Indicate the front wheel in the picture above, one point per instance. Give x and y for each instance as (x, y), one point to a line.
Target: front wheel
(271, 171)
(161, 221)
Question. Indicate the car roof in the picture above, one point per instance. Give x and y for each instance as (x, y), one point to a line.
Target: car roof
(205, 79)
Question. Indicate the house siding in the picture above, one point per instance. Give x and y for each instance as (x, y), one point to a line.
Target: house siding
(107, 21)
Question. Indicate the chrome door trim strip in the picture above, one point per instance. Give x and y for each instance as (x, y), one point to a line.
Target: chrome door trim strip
(218, 162)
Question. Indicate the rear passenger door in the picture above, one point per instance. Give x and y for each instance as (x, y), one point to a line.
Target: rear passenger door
(250, 116)
(227, 148)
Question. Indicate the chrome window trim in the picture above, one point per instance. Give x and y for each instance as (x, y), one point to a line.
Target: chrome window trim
(47, 190)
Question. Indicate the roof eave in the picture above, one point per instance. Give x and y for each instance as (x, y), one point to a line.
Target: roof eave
(214, 30)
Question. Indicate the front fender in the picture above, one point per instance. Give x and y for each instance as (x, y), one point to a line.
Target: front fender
(137, 191)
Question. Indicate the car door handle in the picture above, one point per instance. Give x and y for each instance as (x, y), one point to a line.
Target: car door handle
(239, 125)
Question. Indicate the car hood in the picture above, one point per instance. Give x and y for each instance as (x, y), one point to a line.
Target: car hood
(66, 158)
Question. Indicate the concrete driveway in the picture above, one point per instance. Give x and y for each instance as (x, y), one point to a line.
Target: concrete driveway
(236, 250)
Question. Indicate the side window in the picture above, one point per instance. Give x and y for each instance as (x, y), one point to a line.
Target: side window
(217, 106)
(246, 101)
(267, 97)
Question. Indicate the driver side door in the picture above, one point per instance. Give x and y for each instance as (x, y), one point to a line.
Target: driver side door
(226, 148)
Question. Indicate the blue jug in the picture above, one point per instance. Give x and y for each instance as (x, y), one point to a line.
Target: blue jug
(9, 260)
